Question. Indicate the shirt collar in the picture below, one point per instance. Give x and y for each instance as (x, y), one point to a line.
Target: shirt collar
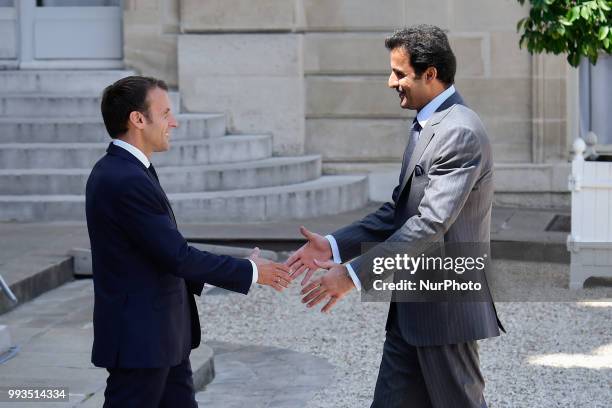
(424, 114)
(134, 150)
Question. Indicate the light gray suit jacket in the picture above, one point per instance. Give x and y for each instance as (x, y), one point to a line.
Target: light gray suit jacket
(445, 197)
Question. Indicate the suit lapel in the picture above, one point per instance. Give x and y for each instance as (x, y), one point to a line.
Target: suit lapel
(115, 150)
(427, 134)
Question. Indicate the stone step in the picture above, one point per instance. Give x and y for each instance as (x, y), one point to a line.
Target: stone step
(29, 278)
(49, 105)
(5, 340)
(325, 195)
(184, 153)
(269, 377)
(91, 129)
(202, 366)
(178, 179)
(54, 333)
(58, 81)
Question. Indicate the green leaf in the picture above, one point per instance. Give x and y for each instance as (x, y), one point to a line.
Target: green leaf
(585, 12)
(561, 30)
(573, 14)
(578, 28)
(573, 59)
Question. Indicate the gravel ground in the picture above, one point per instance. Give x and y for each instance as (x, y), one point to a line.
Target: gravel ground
(556, 354)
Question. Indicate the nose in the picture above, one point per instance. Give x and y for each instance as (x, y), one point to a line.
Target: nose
(172, 122)
(393, 82)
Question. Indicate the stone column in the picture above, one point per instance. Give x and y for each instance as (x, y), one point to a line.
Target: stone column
(150, 31)
(549, 141)
(244, 58)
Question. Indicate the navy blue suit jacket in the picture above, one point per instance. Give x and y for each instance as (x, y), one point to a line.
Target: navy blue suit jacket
(145, 273)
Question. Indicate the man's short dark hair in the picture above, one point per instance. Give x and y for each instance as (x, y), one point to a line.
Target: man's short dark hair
(125, 96)
(427, 46)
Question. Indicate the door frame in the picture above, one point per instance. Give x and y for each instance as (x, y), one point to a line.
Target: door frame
(26, 20)
(9, 16)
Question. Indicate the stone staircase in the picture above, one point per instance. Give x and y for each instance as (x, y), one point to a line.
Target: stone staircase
(51, 134)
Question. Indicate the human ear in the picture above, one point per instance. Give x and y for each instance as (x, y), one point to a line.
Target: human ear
(431, 73)
(137, 119)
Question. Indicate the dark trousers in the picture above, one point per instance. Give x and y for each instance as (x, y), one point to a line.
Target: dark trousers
(166, 387)
(428, 377)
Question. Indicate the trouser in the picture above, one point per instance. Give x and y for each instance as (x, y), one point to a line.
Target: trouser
(428, 377)
(166, 387)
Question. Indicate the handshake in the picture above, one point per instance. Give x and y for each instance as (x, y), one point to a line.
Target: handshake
(313, 255)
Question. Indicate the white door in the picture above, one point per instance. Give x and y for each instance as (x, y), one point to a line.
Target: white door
(70, 34)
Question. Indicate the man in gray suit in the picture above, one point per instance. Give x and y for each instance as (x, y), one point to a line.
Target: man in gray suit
(444, 195)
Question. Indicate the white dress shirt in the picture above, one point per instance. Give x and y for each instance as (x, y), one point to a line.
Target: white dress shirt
(144, 160)
(422, 117)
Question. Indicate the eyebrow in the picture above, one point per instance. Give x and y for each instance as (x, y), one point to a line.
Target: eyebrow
(167, 110)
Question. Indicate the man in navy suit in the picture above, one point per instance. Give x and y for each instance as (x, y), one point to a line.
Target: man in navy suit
(145, 274)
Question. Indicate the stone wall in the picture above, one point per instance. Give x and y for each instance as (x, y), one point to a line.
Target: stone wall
(354, 120)
(150, 31)
(347, 68)
(263, 92)
(314, 74)
(245, 59)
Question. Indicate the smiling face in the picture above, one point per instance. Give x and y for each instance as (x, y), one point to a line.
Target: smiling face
(158, 122)
(413, 90)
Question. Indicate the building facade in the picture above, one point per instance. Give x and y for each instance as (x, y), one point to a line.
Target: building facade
(314, 74)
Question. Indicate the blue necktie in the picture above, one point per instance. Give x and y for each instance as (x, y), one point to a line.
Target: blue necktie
(415, 131)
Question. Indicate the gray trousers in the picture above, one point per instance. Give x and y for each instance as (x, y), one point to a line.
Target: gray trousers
(428, 377)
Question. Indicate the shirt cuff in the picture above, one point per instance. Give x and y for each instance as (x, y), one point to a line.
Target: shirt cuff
(255, 272)
(353, 276)
(334, 247)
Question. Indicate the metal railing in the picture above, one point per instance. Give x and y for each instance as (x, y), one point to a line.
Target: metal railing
(7, 290)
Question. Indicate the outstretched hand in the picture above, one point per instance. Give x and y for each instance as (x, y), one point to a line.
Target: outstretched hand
(271, 273)
(303, 260)
(335, 284)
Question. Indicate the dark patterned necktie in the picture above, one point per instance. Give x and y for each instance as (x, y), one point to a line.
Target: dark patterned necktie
(415, 131)
(152, 171)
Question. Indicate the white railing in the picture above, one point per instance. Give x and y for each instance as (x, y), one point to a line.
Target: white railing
(590, 240)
